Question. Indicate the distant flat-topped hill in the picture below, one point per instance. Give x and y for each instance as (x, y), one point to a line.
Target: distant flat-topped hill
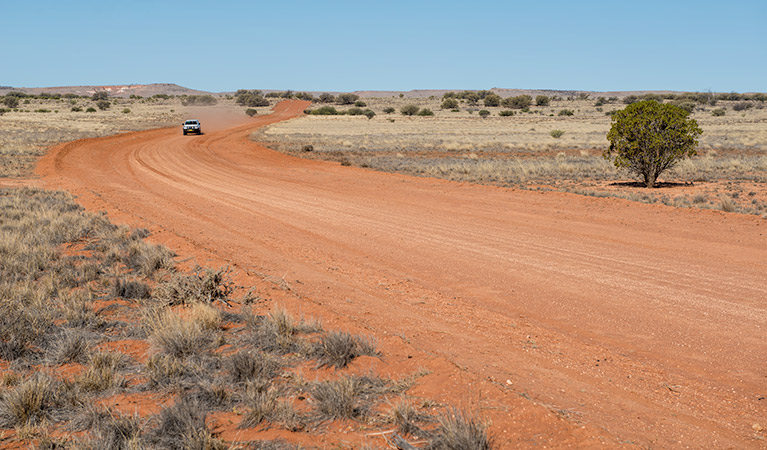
(144, 90)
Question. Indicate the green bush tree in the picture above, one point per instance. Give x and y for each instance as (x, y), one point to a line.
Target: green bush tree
(493, 100)
(648, 137)
(518, 102)
(100, 95)
(542, 100)
(483, 113)
(388, 110)
(327, 98)
(425, 112)
(409, 110)
(103, 104)
(347, 99)
(449, 103)
(11, 101)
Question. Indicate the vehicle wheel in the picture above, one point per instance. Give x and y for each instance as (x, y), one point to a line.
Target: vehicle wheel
(184, 132)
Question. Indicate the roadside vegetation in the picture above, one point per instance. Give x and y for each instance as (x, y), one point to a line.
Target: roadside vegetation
(91, 313)
(547, 141)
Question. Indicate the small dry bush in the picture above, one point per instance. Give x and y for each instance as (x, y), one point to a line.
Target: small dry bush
(349, 397)
(278, 332)
(182, 426)
(102, 372)
(459, 430)
(171, 335)
(109, 430)
(338, 348)
(406, 417)
(204, 285)
(247, 366)
(31, 402)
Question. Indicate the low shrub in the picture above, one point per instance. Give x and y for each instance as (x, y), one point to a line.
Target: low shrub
(324, 111)
(338, 348)
(506, 113)
(459, 430)
(126, 111)
(90, 110)
(718, 112)
(347, 99)
(251, 99)
(449, 103)
(327, 98)
(542, 100)
(409, 110)
(425, 112)
(251, 112)
(518, 102)
(483, 113)
(360, 104)
(742, 106)
(566, 112)
(388, 110)
(103, 104)
(556, 134)
(199, 100)
(202, 286)
(492, 100)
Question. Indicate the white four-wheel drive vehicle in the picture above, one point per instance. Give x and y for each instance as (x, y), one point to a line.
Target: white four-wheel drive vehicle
(192, 126)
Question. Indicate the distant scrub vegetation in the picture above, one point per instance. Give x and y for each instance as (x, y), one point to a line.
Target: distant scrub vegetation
(199, 100)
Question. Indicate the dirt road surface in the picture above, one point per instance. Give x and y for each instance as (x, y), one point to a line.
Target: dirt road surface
(620, 323)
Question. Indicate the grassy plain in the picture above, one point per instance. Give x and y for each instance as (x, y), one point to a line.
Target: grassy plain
(522, 150)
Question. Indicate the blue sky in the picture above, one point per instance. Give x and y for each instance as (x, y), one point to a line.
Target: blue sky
(388, 45)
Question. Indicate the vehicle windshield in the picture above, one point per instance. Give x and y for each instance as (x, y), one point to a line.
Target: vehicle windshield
(191, 122)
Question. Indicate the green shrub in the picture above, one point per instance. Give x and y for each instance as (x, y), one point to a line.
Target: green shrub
(388, 110)
(566, 112)
(338, 348)
(42, 110)
(369, 113)
(518, 102)
(11, 102)
(556, 134)
(126, 111)
(100, 95)
(686, 105)
(360, 104)
(103, 104)
(630, 99)
(91, 109)
(493, 100)
(324, 111)
(250, 98)
(542, 100)
(483, 113)
(718, 112)
(199, 100)
(251, 112)
(409, 110)
(449, 103)
(425, 112)
(648, 137)
(600, 101)
(742, 106)
(327, 98)
(347, 99)
(506, 113)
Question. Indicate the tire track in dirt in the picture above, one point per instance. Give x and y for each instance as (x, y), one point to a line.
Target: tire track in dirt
(644, 320)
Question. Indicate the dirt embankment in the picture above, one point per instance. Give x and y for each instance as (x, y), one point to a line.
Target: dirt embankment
(631, 323)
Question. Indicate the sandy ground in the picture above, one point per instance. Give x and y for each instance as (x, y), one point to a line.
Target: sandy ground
(568, 321)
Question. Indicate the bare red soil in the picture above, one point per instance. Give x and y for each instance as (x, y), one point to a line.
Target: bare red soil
(568, 321)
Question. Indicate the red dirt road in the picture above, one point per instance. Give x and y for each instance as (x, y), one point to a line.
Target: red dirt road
(645, 323)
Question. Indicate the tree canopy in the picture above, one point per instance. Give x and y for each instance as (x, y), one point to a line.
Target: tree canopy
(648, 137)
